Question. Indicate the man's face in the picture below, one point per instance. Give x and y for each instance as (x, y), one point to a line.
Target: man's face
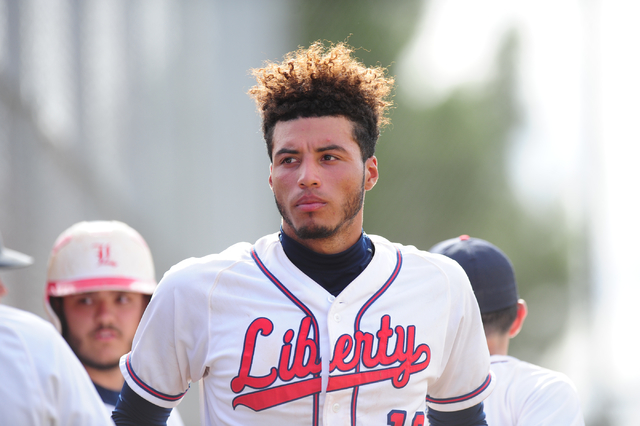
(318, 178)
(101, 325)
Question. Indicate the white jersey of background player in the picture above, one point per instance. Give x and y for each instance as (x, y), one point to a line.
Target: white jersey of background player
(42, 383)
(100, 277)
(526, 394)
(318, 324)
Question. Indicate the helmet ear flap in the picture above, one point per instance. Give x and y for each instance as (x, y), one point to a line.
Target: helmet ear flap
(56, 314)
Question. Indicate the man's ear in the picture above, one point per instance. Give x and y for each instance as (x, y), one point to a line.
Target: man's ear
(270, 171)
(519, 321)
(370, 172)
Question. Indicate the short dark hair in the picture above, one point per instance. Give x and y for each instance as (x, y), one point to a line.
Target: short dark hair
(499, 322)
(323, 81)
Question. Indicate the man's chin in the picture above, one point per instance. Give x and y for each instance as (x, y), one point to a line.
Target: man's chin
(103, 363)
(314, 232)
(100, 365)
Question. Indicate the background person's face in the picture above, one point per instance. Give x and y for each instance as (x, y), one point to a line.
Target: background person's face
(3, 290)
(101, 325)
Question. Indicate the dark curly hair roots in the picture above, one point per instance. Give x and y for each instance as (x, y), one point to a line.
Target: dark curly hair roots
(323, 81)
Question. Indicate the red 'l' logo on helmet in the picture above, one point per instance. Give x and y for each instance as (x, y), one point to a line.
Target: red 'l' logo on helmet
(104, 255)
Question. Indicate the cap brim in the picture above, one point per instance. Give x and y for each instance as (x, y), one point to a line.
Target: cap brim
(14, 259)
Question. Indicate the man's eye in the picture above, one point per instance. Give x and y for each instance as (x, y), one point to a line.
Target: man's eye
(328, 157)
(85, 301)
(123, 299)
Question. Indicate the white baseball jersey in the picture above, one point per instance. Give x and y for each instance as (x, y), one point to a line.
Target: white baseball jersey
(530, 395)
(273, 347)
(41, 380)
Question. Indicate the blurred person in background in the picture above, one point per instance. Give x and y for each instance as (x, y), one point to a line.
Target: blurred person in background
(525, 394)
(100, 278)
(41, 380)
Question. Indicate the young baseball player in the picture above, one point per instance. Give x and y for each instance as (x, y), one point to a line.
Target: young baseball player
(319, 323)
(42, 382)
(525, 394)
(100, 278)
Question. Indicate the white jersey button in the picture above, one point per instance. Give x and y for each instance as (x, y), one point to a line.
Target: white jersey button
(331, 298)
(336, 408)
(336, 317)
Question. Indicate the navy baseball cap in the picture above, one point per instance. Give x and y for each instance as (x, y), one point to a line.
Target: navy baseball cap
(488, 268)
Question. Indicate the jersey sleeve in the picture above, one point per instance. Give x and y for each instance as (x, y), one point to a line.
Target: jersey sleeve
(465, 379)
(170, 346)
(46, 383)
(78, 402)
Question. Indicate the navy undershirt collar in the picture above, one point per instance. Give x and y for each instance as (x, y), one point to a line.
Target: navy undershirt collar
(332, 271)
(108, 396)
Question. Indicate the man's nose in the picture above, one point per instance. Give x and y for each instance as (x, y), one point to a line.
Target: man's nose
(309, 175)
(105, 311)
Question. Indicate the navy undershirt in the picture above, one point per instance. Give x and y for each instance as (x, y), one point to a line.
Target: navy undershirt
(134, 410)
(472, 416)
(333, 272)
(108, 396)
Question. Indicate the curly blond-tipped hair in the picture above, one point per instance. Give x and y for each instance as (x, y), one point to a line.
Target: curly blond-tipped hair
(324, 81)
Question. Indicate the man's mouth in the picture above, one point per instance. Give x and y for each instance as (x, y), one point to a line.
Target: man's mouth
(105, 334)
(310, 204)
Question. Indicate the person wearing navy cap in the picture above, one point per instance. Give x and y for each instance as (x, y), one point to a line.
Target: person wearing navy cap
(525, 394)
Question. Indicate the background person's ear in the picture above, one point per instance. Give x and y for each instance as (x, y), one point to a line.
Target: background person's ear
(520, 316)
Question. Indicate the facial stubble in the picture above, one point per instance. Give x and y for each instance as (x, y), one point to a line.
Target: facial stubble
(350, 210)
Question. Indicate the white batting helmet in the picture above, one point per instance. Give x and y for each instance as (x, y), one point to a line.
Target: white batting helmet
(98, 256)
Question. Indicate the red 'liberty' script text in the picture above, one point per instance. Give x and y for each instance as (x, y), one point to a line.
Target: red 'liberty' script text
(349, 354)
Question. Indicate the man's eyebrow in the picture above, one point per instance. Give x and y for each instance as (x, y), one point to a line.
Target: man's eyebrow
(286, 151)
(333, 147)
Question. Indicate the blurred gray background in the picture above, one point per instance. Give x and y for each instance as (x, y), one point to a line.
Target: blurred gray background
(511, 123)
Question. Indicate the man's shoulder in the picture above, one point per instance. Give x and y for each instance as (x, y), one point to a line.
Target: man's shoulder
(421, 258)
(237, 252)
(205, 268)
(529, 376)
(407, 249)
(25, 323)
(421, 266)
(29, 336)
(532, 394)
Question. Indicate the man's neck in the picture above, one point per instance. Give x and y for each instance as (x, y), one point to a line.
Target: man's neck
(109, 379)
(332, 271)
(498, 344)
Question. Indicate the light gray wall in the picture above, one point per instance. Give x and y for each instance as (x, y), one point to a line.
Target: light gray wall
(135, 111)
